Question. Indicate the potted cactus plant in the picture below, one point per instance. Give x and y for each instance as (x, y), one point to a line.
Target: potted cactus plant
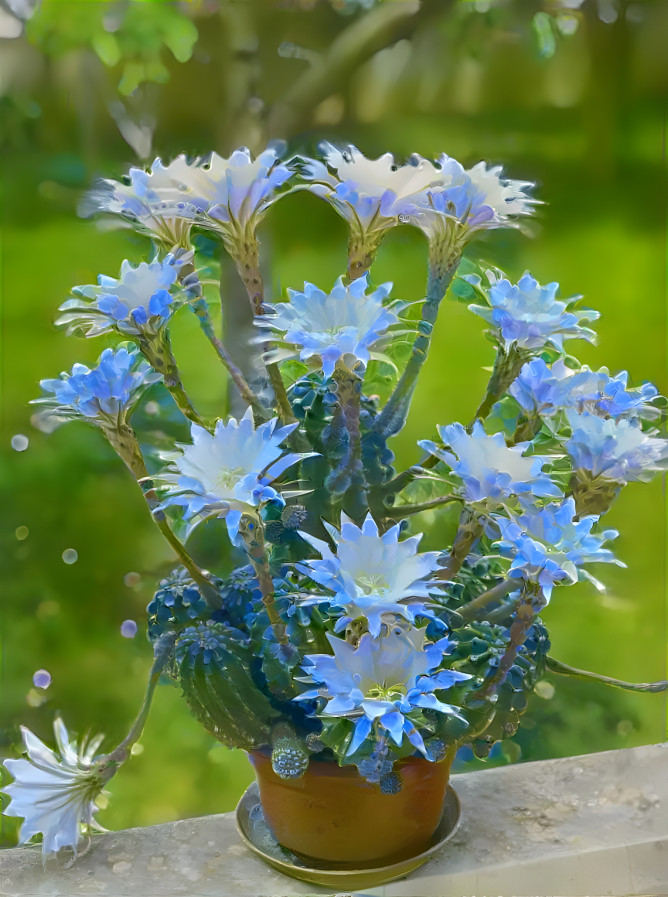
(347, 662)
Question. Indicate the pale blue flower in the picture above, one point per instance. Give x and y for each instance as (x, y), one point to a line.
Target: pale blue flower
(371, 575)
(370, 194)
(167, 199)
(530, 316)
(380, 682)
(230, 472)
(543, 390)
(479, 198)
(107, 392)
(376, 194)
(488, 468)
(550, 545)
(616, 449)
(141, 301)
(55, 793)
(348, 324)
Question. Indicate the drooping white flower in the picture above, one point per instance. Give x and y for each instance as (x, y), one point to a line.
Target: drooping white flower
(55, 793)
(229, 472)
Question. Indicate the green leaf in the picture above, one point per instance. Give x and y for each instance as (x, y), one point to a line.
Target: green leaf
(133, 76)
(106, 48)
(181, 39)
(462, 290)
(543, 29)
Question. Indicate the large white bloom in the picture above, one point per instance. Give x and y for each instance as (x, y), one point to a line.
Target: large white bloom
(55, 793)
(369, 192)
(166, 199)
(375, 194)
(347, 323)
(229, 472)
(371, 575)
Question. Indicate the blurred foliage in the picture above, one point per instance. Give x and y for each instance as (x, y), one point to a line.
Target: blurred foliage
(580, 113)
(129, 35)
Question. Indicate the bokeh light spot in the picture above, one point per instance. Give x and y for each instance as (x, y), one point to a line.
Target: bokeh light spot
(20, 442)
(41, 679)
(128, 629)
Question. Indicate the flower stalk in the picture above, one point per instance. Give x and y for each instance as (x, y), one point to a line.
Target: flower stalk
(251, 532)
(393, 416)
(123, 440)
(246, 258)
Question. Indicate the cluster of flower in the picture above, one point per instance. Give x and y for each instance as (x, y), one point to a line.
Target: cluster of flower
(378, 686)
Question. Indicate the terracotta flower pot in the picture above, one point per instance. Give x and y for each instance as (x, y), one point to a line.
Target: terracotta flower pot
(332, 814)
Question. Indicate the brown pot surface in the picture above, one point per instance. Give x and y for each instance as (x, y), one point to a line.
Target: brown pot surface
(331, 813)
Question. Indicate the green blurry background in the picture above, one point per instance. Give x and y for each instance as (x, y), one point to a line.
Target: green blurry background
(572, 98)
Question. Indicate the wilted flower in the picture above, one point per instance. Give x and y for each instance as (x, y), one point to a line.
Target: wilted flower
(55, 793)
(545, 391)
(229, 473)
(140, 301)
(530, 316)
(549, 545)
(104, 394)
(347, 324)
(214, 191)
(371, 575)
(618, 450)
(488, 468)
(380, 682)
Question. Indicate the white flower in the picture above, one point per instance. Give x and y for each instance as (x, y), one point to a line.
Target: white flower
(55, 793)
(369, 192)
(346, 324)
(375, 194)
(167, 199)
(489, 470)
(371, 574)
(228, 473)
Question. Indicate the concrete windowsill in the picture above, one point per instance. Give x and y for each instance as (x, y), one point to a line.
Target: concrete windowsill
(591, 825)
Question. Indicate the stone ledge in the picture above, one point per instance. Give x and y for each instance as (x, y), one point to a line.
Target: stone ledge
(591, 825)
